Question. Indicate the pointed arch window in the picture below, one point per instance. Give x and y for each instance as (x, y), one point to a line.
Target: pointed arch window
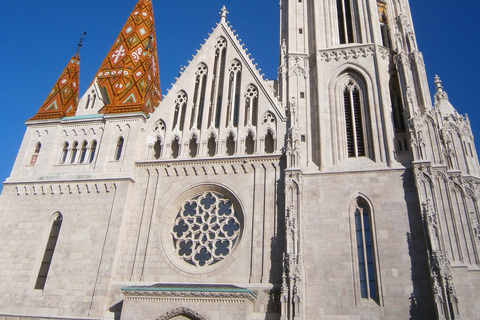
(211, 146)
(48, 254)
(230, 145)
(74, 152)
(36, 151)
(93, 149)
(234, 93)
(251, 105)
(175, 148)
(353, 104)
(199, 96)
(180, 109)
(367, 273)
(119, 149)
(250, 144)
(63, 158)
(83, 152)
(192, 147)
(269, 142)
(218, 82)
(345, 21)
(157, 149)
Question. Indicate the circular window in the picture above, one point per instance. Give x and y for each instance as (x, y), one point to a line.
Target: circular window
(206, 229)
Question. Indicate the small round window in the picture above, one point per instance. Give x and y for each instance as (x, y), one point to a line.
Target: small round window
(206, 229)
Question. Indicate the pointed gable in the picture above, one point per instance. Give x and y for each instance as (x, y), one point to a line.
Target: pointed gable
(129, 73)
(63, 99)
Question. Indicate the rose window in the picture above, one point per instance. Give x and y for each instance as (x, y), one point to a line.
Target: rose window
(205, 229)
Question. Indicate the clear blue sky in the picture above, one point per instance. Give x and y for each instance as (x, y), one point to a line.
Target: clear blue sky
(39, 37)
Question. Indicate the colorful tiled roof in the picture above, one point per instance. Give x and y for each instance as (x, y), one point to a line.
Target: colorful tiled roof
(129, 73)
(63, 99)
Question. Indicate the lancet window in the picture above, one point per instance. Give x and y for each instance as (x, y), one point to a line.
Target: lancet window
(211, 146)
(73, 156)
(345, 21)
(175, 148)
(218, 80)
(119, 149)
(49, 251)
(230, 144)
(383, 16)
(269, 142)
(193, 147)
(36, 151)
(83, 152)
(93, 149)
(235, 71)
(367, 274)
(251, 105)
(63, 158)
(249, 144)
(157, 149)
(180, 109)
(353, 103)
(199, 96)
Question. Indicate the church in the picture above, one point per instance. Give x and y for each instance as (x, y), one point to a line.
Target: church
(340, 190)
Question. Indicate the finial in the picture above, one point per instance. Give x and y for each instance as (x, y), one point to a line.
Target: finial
(438, 84)
(80, 43)
(223, 14)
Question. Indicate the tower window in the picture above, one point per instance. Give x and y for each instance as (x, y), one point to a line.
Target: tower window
(345, 21)
(83, 152)
(48, 255)
(74, 152)
(365, 251)
(34, 158)
(175, 148)
(353, 120)
(118, 151)
(93, 149)
(300, 31)
(157, 149)
(63, 158)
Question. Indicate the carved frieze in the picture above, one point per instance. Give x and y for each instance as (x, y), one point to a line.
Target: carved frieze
(350, 53)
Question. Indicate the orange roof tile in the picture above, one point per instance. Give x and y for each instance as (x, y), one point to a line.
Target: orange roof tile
(63, 99)
(129, 73)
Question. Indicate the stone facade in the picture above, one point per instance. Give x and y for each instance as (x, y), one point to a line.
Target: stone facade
(338, 191)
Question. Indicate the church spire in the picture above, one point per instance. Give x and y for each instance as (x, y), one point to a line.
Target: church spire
(129, 73)
(63, 98)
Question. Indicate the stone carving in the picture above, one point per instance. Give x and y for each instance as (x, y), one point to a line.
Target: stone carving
(182, 312)
(298, 65)
(206, 229)
(345, 54)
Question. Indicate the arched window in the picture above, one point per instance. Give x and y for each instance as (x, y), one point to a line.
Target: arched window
(157, 149)
(249, 144)
(383, 17)
(269, 143)
(234, 93)
(230, 145)
(93, 149)
(353, 104)
(199, 96)
(49, 250)
(345, 21)
(251, 105)
(193, 147)
(118, 151)
(34, 158)
(367, 273)
(63, 158)
(175, 148)
(211, 146)
(83, 152)
(218, 80)
(74, 152)
(180, 109)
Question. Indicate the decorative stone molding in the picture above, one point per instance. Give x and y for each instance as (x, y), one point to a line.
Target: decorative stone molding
(298, 65)
(212, 296)
(351, 53)
(182, 312)
(78, 188)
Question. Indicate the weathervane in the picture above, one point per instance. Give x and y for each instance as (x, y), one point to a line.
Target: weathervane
(80, 43)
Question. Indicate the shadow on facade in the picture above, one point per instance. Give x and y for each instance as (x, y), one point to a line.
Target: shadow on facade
(422, 304)
(117, 310)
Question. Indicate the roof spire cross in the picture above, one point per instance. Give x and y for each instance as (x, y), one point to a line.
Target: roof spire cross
(80, 43)
(223, 14)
